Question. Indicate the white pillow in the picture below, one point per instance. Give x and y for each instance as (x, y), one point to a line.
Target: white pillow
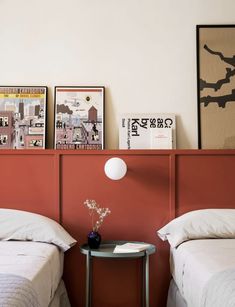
(27, 226)
(199, 224)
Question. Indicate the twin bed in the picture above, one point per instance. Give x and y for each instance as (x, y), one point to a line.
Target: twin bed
(31, 260)
(202, 258)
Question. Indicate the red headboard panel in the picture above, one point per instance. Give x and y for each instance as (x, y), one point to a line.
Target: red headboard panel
(138, 204)
(205, 181)
(159, 185)
(29, 182)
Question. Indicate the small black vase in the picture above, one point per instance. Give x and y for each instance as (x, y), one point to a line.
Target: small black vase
(94, 239)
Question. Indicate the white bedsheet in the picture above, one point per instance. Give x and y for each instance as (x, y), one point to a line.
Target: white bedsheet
(194, 262)
(41, 263)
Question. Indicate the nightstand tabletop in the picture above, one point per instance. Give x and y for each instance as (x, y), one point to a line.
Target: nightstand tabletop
(107, 247)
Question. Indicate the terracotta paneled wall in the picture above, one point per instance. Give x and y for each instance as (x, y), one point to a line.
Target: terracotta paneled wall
(159, 185)
(29, 182)
(138, 204)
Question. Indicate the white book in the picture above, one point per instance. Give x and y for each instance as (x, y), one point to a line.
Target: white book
(131, 248)
(161, 138)
(135, 129)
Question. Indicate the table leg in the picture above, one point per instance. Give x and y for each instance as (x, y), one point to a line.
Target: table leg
(88, 279)
(143, 281)
(145, 296)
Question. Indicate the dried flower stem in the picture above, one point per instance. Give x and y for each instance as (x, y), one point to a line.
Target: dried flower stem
(101, 212)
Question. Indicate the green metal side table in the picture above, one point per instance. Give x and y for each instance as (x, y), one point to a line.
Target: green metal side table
(106, 251)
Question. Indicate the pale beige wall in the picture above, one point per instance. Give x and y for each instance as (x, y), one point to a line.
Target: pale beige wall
(142, 51)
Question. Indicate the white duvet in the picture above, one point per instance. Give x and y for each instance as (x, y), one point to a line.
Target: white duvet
(201, 268)
(41, 263)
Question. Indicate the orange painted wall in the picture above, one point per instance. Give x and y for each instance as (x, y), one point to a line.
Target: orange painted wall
(138, 203)
(159, 185)
(28, 181)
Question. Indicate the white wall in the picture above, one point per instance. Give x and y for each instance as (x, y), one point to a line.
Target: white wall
(142, 51)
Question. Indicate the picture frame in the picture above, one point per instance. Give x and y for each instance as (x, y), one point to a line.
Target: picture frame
(139, 131)
(216, 86)
(23, 111)
(79, 117)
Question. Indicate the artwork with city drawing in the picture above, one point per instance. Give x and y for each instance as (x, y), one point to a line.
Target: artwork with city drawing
(79, 117)
(23, 117)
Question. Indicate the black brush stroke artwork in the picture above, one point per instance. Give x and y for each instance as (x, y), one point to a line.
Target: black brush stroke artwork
(220, 100)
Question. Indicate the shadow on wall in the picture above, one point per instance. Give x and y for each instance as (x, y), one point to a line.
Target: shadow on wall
(50, 119)
(181, 135)
(111, 122)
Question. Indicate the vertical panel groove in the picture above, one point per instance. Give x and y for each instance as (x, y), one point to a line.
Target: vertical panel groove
(58, 186)
(172, 179)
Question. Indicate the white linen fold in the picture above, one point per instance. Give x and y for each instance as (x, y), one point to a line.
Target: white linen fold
(41, 263)
(196, 262)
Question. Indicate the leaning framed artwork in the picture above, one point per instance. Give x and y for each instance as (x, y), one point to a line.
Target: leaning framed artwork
(23, 117)
(216, 86)
(79, 117)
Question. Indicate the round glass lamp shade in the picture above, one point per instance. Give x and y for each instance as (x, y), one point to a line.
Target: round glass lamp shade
(115, 168)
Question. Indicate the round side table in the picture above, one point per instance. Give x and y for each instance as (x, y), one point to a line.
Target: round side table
(106, 251)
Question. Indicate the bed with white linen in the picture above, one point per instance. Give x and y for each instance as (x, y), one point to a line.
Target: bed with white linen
(31, 260)
(202, 258)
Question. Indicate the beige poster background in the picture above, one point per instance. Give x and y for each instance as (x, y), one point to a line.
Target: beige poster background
(217, 123)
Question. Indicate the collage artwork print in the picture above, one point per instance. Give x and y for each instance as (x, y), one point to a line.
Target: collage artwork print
(23, 117)
(79, 117)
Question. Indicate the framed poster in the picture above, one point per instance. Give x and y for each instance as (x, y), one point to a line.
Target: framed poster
(139, 130)
(79, 117)
(216, 86)
(23, 117)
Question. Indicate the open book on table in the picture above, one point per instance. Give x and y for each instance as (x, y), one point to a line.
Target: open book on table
(130, 248)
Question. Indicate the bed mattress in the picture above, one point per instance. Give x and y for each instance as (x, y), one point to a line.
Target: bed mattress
(41, 263)
(194, 263)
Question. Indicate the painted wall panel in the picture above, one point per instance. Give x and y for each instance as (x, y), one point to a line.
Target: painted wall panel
(138, 204)
(158, 186)
(204, 181)
(28, 182)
